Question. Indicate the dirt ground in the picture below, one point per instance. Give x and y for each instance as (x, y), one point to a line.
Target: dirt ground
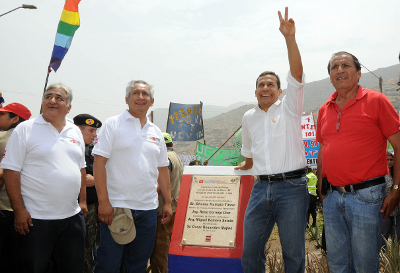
(275, 245)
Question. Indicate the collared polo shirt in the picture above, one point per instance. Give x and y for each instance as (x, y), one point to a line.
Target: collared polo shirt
(50, 166)
(134, 155)
(273, 139)
(357, 151)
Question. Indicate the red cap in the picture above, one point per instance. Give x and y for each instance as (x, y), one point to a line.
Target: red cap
(17, 109)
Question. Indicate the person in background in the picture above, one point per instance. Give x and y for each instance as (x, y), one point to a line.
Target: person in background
(391, 225)
(10, 116)
(88, 125)
(159, 257)
(312, 193)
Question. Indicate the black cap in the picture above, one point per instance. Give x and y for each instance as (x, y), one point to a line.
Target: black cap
(88, 120)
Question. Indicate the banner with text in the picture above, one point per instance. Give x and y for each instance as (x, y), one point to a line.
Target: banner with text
(185, 122)
(309, 139)
(308, 127)
(224, 157)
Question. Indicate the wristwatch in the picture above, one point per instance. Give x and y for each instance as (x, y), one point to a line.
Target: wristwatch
(396, 187)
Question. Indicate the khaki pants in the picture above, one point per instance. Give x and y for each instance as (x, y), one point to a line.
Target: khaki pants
(159, 257)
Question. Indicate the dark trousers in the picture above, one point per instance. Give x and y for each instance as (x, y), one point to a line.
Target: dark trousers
(62, 241)
(312, 209)
(8, 239)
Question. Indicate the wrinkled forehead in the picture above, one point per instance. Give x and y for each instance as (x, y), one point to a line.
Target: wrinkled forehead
(56, 91)
(140, 87)
(268, 78)
(342, 58)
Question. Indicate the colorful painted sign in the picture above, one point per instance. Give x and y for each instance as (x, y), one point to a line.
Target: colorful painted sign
(185, 122)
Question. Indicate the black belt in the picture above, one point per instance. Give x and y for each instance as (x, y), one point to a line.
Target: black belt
(360, 186)
(283, 176)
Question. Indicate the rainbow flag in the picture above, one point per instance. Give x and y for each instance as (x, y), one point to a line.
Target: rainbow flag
(69, 23)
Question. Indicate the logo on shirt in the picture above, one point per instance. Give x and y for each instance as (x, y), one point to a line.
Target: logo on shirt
(73, 141)
(95, 141)
(89, 121)
(4, 153)
(152, 138)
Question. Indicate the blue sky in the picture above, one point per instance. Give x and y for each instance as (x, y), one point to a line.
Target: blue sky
(191, 51)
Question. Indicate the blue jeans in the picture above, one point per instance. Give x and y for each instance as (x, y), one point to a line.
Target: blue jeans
(62, 241)
(132, 257)
(353, 224)
(283, 202)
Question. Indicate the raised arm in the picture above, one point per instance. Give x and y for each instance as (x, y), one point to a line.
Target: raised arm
(288, 30)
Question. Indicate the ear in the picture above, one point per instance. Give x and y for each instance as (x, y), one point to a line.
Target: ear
(359, 74)
(69, 108)
(152, 102)
(126, 100)
(280, 91)
(255, 93)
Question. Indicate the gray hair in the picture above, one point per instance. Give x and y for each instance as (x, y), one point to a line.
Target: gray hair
(132, 83)
(63, 87)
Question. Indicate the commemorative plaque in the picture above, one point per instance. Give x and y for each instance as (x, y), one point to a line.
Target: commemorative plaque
(212, 211)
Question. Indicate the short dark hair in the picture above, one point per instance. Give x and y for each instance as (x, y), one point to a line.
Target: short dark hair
(12, 115)
(169, 145)
(356, 62)
(278, 81)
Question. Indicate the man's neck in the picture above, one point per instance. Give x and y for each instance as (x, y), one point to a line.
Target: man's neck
(57, 124)
(141, 116)
(344, 96)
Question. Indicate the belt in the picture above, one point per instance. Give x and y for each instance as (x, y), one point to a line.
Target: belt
(360, 186)
(283, 176)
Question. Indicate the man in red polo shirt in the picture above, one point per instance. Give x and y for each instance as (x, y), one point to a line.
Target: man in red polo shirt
(353, 126)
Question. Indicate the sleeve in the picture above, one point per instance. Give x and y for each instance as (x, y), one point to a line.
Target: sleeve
(15, 152)
(105, 140)
(246, 139)
(387, 117)
(83, 161)
(163, 156)
(318, 133)
(295, 94)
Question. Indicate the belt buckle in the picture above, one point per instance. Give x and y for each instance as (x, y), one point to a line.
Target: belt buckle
(341, 189)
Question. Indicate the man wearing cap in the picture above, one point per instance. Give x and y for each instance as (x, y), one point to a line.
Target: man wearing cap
(10, 116)
(44, 170)
(130, 157)
(159, 257)
(273, 148)
(88, 125)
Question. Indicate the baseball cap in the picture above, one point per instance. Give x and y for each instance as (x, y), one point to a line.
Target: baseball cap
(122, 227)
(17, 109)
(167, 138)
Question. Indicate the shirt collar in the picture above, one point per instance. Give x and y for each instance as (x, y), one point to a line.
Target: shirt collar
(128, 115)
(40, 120)
(275, 103)
(360, 94)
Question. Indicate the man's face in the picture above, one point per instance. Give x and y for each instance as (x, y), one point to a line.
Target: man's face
(88, 133)
(344, 74)
(139, 100)
(6, 122)
(267, 91)
(390, 161)
(54, 104)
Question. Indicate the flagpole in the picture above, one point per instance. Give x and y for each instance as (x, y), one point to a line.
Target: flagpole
(223, 144)
(45, 86)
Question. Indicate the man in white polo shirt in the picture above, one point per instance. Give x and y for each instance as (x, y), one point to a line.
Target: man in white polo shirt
(130, 156)
(44, 170)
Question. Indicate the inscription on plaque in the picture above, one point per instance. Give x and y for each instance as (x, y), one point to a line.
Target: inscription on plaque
(212, 211)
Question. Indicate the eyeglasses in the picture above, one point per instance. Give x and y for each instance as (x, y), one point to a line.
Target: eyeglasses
(339, 115)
